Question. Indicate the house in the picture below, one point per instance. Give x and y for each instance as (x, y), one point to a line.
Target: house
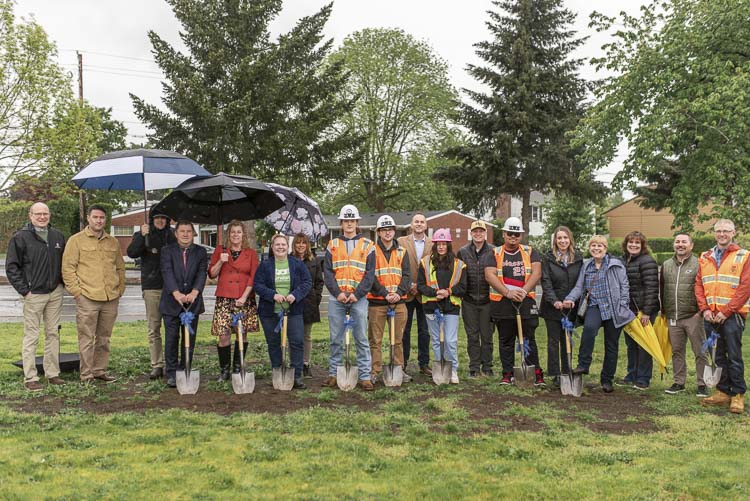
(630, 216)
(124, 225)
(508, 206)
(455, 221)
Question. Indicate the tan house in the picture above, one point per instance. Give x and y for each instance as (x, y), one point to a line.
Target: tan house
(630, 216)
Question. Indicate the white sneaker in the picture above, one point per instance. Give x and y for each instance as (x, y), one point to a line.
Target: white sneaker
(454, 376)
(406, 378)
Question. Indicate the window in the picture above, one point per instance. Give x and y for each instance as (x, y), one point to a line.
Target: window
(122, 231)
(536, 214)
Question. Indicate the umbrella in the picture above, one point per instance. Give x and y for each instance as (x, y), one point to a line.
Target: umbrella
(662, 334)
(646, 338)
(220, 198)
(299, 214)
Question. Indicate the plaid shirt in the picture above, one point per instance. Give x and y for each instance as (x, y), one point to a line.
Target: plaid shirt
(595, 281)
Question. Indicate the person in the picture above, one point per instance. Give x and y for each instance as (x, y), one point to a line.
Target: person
(417, 245)
(234, 263)
(311, 308)
(560, 268)
(441, 282)
(146, 245)
(603, 286)
(643, 285)
(348, 272)
(283, 283)
(684, 320)
(389, 289)
(475, 308)
(183, 266)
(33, 265)
(513, 271)
(722, 289)
(94, 273)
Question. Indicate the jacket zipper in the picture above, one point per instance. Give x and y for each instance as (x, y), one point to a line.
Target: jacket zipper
(676, 286)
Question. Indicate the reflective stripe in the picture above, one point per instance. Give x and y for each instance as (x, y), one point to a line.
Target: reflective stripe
(431, 279)
(349, 269)
(719, 285)
(388, 273)
(499, 256)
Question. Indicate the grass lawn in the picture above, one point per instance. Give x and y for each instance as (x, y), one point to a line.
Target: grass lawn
(477, 440)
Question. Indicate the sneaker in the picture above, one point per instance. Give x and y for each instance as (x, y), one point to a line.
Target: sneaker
(330, 382)
(156, 373)
(374, 377)
(365, 385)
(406, 378)
(306, 372)
(425, 370)
(675, 389)
(454, 376)
(172, 382)
(34, 386)
(640, 386)
(57, 381)
(607, 388)
(473, 374)
(488, 373)
(507, 378)
(702, 392)
(539, 380)
(622, 382)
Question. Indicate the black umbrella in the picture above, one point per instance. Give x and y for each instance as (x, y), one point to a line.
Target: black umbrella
(220, 198)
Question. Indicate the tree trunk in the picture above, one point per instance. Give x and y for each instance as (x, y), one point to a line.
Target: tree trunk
(526, 214)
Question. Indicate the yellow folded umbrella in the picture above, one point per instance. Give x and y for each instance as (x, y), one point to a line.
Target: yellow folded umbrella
(662, 334)
(646, 338)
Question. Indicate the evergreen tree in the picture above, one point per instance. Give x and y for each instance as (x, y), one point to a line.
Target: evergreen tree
(518, 129)
(241, 102)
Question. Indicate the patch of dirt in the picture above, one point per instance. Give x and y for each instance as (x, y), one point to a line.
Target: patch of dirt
(621, 412)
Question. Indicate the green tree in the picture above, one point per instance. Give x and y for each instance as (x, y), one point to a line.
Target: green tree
(404, 103)
(518, 128)
(584, 216)
(678, 93)
(31, 85)
(241, 102)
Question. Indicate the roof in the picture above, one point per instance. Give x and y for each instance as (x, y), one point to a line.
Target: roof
(402, 219)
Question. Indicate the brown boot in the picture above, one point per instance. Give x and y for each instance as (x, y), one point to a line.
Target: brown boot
(738, 404)
(366, 385)
(330, 382)
(718, 398)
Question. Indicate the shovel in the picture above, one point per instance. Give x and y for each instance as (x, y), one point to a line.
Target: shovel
(712, 374)
(242, 382)
(524, 375)
(346, 375)
(441, 371)
(187, 380)
(393, 375)
(283, 377)
(570, 384)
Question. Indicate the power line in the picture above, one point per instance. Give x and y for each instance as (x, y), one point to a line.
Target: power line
(106, 54)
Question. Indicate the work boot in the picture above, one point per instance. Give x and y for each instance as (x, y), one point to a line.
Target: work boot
(298, 384)
(454, 376)
(225, 358)
(56, 380)
(306, 372)
(34, 386)
(718, 398)
(156, 373)
(366, 385)
(738, 404)
(236, 363)
(330, 382)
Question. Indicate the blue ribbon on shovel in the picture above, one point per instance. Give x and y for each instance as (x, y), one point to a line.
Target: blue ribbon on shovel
(710, 342)
(391, 312)
(439, 316)
(526, 350)
(280, 324)
(186, 319)
(236, 317)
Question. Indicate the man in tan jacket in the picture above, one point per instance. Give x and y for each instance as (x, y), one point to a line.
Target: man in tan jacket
(417, 245)
(94, 273)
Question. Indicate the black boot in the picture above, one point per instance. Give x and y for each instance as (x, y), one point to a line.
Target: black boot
(236, 364)
(225, 358)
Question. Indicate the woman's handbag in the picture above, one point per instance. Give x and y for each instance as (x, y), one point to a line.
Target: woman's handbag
(583, 305)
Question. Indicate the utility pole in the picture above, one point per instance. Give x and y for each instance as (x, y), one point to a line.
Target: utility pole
(81, 194)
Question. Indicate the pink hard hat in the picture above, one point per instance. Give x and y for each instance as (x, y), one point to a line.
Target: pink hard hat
(442, 235)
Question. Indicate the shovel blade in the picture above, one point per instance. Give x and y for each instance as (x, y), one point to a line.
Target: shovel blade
(187, 382)
(441, 372)
(393, 375)
(566, 384)
(282, 378)
(346, 377)
(242, 385)
(524, 375)
(711, 376)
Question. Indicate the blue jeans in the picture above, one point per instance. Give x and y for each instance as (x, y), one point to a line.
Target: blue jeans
(423, 334)
(591, 325)
(640, 363)
(295, 333)
(450, 334)
(336, 318)
(729, 354)
(174, 344)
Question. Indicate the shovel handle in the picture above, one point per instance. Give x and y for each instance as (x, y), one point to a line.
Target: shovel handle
(346, 331)
(392, 329)
(185, 337)
(567, 342)
(283, 332)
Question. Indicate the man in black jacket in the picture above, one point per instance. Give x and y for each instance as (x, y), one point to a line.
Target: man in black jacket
(476, 302)
(33, 266)
(147, 245)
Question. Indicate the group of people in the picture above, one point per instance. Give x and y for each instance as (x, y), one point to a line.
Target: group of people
(370, 282)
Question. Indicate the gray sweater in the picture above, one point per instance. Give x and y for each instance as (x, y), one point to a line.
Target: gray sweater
(619, 295)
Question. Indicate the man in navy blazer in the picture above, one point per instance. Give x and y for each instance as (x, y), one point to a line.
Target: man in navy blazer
(184, 268)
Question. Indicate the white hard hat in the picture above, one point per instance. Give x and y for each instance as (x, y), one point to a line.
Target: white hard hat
(385, 221)
(349, 212)
(513, 224)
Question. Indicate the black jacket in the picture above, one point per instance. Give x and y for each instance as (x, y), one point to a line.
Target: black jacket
(311, 313)
(33, 265)
(477, 288)
(176, 278)
(150, 255)
(557, 282)
(643, 278)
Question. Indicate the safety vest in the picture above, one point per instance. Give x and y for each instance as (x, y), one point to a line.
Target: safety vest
(499, 256)
(349, 269)
(431, 279)
(719, 284)
(388, 272)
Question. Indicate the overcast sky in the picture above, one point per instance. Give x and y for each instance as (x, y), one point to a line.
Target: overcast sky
(112, 35)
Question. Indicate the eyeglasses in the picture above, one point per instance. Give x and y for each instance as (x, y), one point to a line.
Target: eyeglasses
(723, 231)
(40, 214)
(512, 234)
